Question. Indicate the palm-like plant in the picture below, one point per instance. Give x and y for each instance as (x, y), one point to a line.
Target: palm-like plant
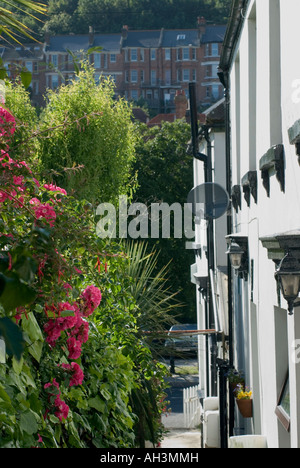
(10, 26)
(157, 305)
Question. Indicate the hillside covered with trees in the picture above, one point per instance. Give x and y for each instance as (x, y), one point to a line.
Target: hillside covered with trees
(108, 16)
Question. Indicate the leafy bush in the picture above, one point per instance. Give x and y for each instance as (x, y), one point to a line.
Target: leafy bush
(90, 130)
(74, 359)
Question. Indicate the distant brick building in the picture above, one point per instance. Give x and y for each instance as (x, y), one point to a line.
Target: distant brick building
(151, 66)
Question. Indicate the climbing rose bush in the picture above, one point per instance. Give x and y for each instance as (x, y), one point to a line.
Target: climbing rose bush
(72, 354)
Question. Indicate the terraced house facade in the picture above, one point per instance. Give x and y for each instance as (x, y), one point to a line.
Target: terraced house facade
(147, 65)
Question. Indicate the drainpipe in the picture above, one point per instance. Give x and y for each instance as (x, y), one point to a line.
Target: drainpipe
(207, 160)
(225, 80)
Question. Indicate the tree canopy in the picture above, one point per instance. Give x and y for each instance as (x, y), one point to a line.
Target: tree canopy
(108, 16)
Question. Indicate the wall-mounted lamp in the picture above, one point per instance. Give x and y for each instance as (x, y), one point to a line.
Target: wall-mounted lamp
(202, 283)
(235, 254)
(288, 275)
(238, 254)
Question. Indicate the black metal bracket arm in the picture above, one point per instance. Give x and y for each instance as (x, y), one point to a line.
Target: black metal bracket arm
(201, 157)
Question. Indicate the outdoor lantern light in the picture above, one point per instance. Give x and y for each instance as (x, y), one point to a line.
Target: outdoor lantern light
(235, 254)
(288, 275)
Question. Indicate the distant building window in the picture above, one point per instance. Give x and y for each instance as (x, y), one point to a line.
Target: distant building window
(97, 78)
(133, 55)
(178, 75)
(194, 56)
(142, 55)
(54, 80)
(186, 75)
(113, 58)
(168, 77)
(181, 37)
(54, 60)
(127, 76)
(194, 75)
(215, 50)
(167, 54)
(134, 76)
(35, 87)
(185, 53)
(178, 54)
(35, 67)
(215, 70)
(29, 66)
(153, 77)
(97, 60)
(153, 54)
(105, 60)
(134, 94)
(142, 76)
(215, 91)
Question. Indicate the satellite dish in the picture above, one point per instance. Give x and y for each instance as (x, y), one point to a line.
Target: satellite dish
(208, 200)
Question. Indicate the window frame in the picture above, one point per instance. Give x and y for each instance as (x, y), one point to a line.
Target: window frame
(280, 412)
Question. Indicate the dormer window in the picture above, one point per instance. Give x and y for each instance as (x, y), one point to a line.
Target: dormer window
(181, 37)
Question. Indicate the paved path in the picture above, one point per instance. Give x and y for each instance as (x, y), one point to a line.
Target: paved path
(177, 436)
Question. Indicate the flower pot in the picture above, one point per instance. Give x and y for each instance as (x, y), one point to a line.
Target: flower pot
(245, 408)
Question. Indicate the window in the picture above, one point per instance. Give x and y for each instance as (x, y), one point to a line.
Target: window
(134, 94)
(105, 60)
(142, 55)
(215, 91)
(54, 60)
(35, 87)
(54, 83)
(168, 77)
(153, 54)
(181, 37)
(133, 55)
(178, 54)
(134, 76)
(185, 53)
(153, 77)
(126, 76)
(194, 55)
(194, 75)
(178, 75)
(29, 66)
(215, 71)
(186, 75)
(97, 60)
(215, 49)
(167, 54)
(142, 76)
(283, 407)
(113, 58)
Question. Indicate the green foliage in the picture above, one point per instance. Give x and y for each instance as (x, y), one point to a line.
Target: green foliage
(165, 175)
(49, 257)
(109, 16)
(92, 131)
(11, 27)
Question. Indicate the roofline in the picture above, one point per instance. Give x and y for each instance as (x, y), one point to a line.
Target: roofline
(235, 24)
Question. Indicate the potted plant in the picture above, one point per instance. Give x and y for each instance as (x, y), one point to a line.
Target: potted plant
(244, 401)
(235, 378)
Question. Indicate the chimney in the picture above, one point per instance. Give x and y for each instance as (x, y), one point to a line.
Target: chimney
(125, 32)
(181, 104)
(201, 22)
(91, 36)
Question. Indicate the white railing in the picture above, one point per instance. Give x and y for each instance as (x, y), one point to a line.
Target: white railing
(191, 407)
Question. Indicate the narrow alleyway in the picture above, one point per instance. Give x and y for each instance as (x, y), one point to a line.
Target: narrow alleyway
(178, 436)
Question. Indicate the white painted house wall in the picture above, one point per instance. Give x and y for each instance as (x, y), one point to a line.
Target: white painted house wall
(265, 103)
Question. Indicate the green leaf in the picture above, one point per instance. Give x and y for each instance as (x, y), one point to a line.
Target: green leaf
(35, 335)
(28, 422)
(26, 78)
(12, 336)
(97, 404)
(15, 293)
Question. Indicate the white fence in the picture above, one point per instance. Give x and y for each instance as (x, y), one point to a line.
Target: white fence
(191, 407)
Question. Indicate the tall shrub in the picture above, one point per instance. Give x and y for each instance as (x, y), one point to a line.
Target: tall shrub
(70, 356)
(92, 131)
